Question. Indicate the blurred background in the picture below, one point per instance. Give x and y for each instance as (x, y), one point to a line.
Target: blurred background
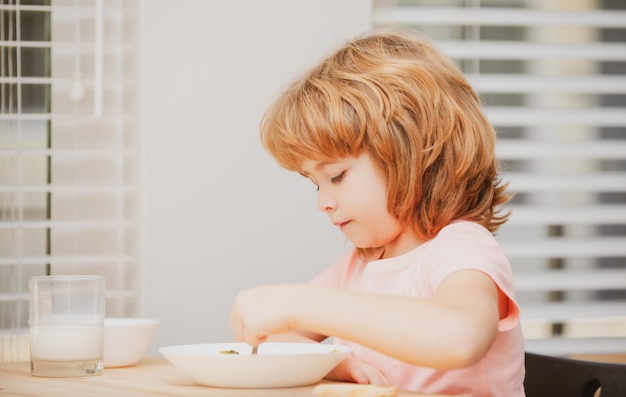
(129, 148)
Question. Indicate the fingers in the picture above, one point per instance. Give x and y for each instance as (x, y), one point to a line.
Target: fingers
(247, 334)
(263, 311)
(245, 328)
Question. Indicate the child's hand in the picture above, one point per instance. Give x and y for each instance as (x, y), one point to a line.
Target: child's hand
(353, 370)
(267, 310)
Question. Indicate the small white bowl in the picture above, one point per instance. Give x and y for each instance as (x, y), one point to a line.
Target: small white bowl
(275, 365)
(126, 340)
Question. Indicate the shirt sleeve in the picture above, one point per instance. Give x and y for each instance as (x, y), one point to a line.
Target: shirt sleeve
(467, 245)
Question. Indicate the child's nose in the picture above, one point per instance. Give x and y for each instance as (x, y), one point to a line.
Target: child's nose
(325, 202)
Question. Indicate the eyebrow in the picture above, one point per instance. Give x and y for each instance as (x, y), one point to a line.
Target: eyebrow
(323, 164)
(319, 166)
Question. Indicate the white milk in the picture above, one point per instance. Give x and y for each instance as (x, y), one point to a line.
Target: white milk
(62, 343)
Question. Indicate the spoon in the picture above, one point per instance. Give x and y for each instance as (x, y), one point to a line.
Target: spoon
(255, 350)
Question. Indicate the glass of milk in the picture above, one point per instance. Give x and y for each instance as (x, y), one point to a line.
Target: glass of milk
(66, 325)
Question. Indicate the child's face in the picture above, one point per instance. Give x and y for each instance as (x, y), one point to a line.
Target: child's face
(352, 192)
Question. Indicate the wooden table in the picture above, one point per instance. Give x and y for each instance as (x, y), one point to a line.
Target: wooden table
(152, 377)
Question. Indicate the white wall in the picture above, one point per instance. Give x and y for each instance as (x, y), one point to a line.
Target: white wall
(219, 215)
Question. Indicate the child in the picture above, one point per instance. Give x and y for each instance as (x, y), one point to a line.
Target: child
(403, 158)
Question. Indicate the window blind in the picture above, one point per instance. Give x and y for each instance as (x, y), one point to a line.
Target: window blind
(69, 146)
(552, 78)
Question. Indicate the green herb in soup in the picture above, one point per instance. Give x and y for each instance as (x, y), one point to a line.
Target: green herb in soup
(229, 352)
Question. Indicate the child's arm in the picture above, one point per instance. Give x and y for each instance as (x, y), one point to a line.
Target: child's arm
(297, 336)
(453, 330)
(349, 370)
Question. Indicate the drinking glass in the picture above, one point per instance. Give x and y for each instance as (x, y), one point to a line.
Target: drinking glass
(66, 325)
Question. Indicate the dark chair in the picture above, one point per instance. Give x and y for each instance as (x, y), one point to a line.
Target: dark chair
(549, 376)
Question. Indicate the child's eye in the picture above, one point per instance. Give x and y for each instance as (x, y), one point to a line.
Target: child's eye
(338, 178)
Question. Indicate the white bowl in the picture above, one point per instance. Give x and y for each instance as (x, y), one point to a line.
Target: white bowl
(126, 340)
(275, 365)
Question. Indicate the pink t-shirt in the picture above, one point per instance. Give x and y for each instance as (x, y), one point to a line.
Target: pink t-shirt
(460, 245)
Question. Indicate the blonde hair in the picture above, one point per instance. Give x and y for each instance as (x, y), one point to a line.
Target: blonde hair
(394, 95)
